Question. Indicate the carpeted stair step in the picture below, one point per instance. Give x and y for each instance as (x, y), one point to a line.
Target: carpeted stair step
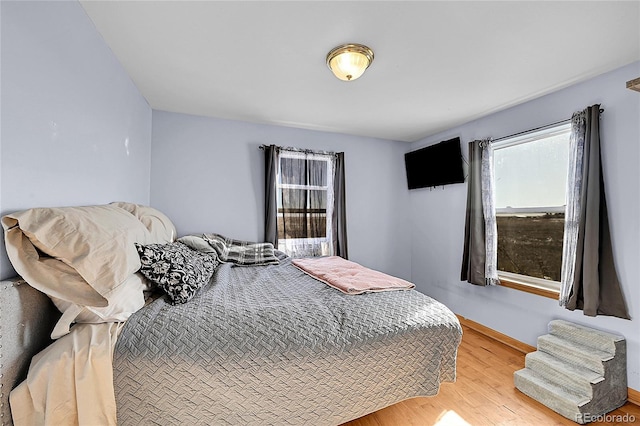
(575, 378)
(586, 336)
(577, 371)
(559, 399)
(574, 353)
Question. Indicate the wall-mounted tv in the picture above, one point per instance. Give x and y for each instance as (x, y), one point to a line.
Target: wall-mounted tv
(435, 165)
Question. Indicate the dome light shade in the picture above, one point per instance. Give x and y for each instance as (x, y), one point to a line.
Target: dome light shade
(349, 61)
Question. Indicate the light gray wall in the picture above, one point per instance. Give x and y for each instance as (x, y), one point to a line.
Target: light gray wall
(75, 129)
(207, 175)
(438, 216)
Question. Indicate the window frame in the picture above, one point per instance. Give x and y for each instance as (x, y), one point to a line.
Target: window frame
(330, 205)
(535, 285)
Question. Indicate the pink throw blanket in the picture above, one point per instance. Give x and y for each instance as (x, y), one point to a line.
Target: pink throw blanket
(349, 277)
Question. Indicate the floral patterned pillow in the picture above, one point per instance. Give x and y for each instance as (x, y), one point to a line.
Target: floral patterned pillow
(177, 269)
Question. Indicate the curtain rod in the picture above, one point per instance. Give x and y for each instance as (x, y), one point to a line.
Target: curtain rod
(306, 151)
(537, 128)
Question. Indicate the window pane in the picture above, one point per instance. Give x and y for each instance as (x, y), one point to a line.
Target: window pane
(294, 225)
(293, 199)
(530, 186)
(298, 171)
(317, 172)
(310, 200)
(532, 174)
(302, 214)
(318, 200)
(292, 171)
(531, 245)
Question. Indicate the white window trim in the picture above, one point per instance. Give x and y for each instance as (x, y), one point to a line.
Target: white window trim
(525, 280)
(532, 136)
(528, 281)
(529, 210)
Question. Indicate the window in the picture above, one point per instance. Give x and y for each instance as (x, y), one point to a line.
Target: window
(530, 185)
(305, 203)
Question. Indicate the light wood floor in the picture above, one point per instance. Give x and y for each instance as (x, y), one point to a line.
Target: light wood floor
(482, 395)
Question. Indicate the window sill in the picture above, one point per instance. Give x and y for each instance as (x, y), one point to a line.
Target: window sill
(551, 294)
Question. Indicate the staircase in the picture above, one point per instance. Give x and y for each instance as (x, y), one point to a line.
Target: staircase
(578, 372)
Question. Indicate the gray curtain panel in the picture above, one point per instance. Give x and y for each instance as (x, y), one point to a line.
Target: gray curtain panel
(339, 227)
(589, 278)
(270, 200)
(474, 254)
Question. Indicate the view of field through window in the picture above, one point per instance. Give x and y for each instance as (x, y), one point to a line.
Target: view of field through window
(531, 245)
(530, 186)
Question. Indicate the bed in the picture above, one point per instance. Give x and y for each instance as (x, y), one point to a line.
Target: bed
(258, 344)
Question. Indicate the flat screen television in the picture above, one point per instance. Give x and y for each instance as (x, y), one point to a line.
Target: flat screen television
(435, 165)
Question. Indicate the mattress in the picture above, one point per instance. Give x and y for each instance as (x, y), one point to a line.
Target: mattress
(272, 345)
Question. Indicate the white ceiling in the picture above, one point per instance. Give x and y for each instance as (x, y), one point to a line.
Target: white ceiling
(437, 64)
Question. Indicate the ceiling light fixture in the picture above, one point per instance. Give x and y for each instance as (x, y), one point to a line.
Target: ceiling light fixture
(349, 61)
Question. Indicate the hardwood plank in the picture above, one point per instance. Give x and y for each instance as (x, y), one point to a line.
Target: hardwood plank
(483, 394)
(634, 396)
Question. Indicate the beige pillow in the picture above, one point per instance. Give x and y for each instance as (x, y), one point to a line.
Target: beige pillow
(83, 256)
(123, 301)
(157, 223)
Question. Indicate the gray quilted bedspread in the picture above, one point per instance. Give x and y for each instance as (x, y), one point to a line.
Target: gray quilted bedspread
(270, 345)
